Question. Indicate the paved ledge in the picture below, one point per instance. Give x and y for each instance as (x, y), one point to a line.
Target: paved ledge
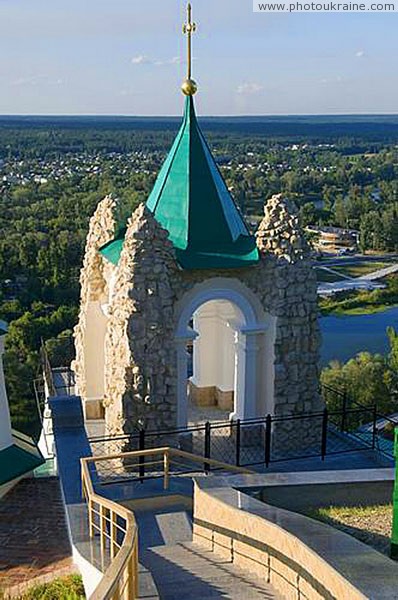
(71, 444)
(262, 480)
(28, 554)
(295, 553)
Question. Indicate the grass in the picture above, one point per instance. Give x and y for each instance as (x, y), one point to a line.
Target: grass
(358, 270)
(325, 276)
(362, 302)
(65, 588)
(369, 524)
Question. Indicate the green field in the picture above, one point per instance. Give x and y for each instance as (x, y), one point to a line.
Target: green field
(362, 302)
(358, 270)
(325, 276)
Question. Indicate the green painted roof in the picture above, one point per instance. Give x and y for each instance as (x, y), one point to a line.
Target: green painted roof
(18, 459)
(191, 200)
(112, 250)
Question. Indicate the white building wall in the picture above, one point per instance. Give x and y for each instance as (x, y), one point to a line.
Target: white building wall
(94, 359)
(216, 324)
(5, 421)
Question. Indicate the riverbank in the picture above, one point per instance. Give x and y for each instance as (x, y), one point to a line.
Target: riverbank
(361, 302)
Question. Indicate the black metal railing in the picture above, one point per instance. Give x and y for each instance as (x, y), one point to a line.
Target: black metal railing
(58, 379)
(258, 442)
(378, 430)
(47, 371)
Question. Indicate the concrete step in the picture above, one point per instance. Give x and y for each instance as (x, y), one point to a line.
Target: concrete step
(169, 525)
(188, 571)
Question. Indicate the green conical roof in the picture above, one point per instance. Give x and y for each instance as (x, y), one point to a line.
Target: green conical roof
(191, 200)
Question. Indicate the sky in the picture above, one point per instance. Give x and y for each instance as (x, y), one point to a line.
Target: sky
(127, 57)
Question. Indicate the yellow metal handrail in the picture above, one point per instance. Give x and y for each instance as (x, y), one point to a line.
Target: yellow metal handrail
(120, 581)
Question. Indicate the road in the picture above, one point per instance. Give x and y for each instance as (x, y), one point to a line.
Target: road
(363, 282)
(336, 261)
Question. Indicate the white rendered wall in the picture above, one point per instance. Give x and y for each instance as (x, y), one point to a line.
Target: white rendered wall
(5, 421)
(94, 356)
(216, 323)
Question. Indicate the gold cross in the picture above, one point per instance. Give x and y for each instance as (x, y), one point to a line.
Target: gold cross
(188, 29)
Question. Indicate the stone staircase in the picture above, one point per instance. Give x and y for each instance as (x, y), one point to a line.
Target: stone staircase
(184, 570)
(188, 571)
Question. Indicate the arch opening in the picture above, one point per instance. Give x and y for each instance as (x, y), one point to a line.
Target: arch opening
(225, 355)
(215, 361)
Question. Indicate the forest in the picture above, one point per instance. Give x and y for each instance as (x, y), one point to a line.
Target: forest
(54, 172)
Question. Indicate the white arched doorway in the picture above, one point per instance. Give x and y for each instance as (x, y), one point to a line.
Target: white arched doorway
(233, 342)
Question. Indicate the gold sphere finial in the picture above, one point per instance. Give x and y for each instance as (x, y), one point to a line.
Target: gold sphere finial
(189, 87)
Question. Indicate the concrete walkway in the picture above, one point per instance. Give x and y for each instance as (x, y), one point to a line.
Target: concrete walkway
(187, 571)
(183, 570)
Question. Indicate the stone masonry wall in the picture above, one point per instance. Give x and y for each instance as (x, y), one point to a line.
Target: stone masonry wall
(140, 369)
(140, 361)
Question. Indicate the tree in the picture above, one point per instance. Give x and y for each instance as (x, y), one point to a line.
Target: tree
(308, 214)
(340, 212)
(367, 379)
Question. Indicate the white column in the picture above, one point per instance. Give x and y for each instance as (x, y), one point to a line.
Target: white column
(240, 369)
(246, 384)
(5, 421)
(214, 351)
(206, 346)
(251, 350)
(182, 378)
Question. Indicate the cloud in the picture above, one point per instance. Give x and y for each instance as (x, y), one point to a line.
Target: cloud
(250, 88)
(141, 59)
(176, 60)
(360, 53)
(34, 80)
(335, 79)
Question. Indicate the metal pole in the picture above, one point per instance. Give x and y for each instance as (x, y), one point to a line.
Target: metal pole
(166, 469)
(268, 431)
(324, 434)
(142, 458)
(343, 417)
(207, 445)
(237, 442)
(374, 429)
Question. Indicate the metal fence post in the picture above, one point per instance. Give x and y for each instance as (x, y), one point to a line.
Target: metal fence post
(141, 444)
(374, 428)
(207, 445)
(324, 434)
(344, 409)
(268, 429)
(237, 443)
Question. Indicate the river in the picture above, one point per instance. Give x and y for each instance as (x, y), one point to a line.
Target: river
(343, 337)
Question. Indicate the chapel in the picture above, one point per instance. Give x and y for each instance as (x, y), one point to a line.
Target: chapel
(185, 306)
